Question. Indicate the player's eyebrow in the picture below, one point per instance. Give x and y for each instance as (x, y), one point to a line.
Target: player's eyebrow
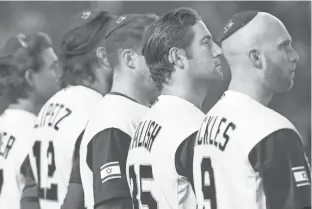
(205, 38)
(285, 42)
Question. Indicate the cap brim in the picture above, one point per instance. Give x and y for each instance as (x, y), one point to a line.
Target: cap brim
(118, 23)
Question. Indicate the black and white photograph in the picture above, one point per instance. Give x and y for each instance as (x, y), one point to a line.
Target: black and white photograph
(155, 104)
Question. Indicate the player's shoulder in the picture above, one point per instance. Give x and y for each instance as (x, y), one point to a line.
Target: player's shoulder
(13, 114)
(176, 111)
(17, 119)
(172, 117)
(251, 111)
(75, 94)
(268, 119)
(119, 108)
(16, 129)
(115, 111)
(79, 100)
(253, 119)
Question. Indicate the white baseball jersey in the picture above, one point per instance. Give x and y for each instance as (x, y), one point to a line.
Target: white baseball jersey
(58, 126)
(116, 114)
(16, 139)
(248, 156)
(152, 165)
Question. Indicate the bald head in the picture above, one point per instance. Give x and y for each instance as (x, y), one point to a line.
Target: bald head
(264, 30)
(259, 53)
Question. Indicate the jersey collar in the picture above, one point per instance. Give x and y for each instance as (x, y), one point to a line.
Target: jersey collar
(123, 95)
(238, 96)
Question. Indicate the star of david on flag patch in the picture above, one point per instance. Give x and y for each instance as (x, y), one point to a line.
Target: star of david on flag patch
(110, 171)
(300, 176)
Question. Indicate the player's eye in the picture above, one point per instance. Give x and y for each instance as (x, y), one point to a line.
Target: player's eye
(285, 45)
(207, 43)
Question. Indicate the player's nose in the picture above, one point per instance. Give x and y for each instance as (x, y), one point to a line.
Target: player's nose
(217, 51)
(294, 56)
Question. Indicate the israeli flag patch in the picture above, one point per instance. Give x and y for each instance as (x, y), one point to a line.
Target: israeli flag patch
(110, 171)
(301, 176)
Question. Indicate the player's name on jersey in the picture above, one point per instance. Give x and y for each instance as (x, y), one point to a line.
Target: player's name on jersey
(145, 135)
(6, 143)
(52, 115)
(215, 131)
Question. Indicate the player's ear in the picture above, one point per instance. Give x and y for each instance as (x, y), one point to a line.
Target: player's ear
(129, 57)
(102, 57)
(30, 78)
(177, 57)
(255, 58)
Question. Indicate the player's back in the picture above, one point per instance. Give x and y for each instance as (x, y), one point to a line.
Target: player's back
(15, 128)
(59, 124)
(114, 111)
(223, 175)
(152, 170)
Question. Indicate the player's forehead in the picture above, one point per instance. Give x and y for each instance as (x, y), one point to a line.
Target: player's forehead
(201, 31)
(277, 32)
(283, 36)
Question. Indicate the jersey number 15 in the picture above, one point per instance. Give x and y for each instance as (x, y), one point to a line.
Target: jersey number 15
(138, 196)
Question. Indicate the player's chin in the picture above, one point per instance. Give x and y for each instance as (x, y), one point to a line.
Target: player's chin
(217, 74)
(290, 85)
(286, 86)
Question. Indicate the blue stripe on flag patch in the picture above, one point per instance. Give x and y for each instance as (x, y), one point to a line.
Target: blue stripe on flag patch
(110, 171)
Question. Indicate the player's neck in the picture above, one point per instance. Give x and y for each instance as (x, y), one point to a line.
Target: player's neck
(130, 89)
(255, 91)
(194, 93)
(27, 105)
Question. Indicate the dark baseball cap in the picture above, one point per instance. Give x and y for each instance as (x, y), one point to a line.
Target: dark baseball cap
(12, 45)
(80, 21)
(236, 22)
(121, 21)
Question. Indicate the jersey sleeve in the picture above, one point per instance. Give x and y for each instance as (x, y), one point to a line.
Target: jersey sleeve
(184, 158)
(29, 198)
(77, 146)
(74, 198)
(75, 172)
(109, 154)
(282, 164)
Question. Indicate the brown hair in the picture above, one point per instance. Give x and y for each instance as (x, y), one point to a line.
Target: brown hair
(79, 45)
(13, 67)
(173, 29)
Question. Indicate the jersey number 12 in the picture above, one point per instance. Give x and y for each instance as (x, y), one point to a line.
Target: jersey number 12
(45, 193)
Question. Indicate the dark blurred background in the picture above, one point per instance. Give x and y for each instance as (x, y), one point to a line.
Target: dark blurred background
(54, 18)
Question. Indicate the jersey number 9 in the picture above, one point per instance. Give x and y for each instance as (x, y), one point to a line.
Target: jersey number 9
(208, 183)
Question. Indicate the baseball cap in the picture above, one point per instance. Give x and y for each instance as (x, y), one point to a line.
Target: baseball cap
(236, 22)
(12, 45)
(120, 21)
(80, 21)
